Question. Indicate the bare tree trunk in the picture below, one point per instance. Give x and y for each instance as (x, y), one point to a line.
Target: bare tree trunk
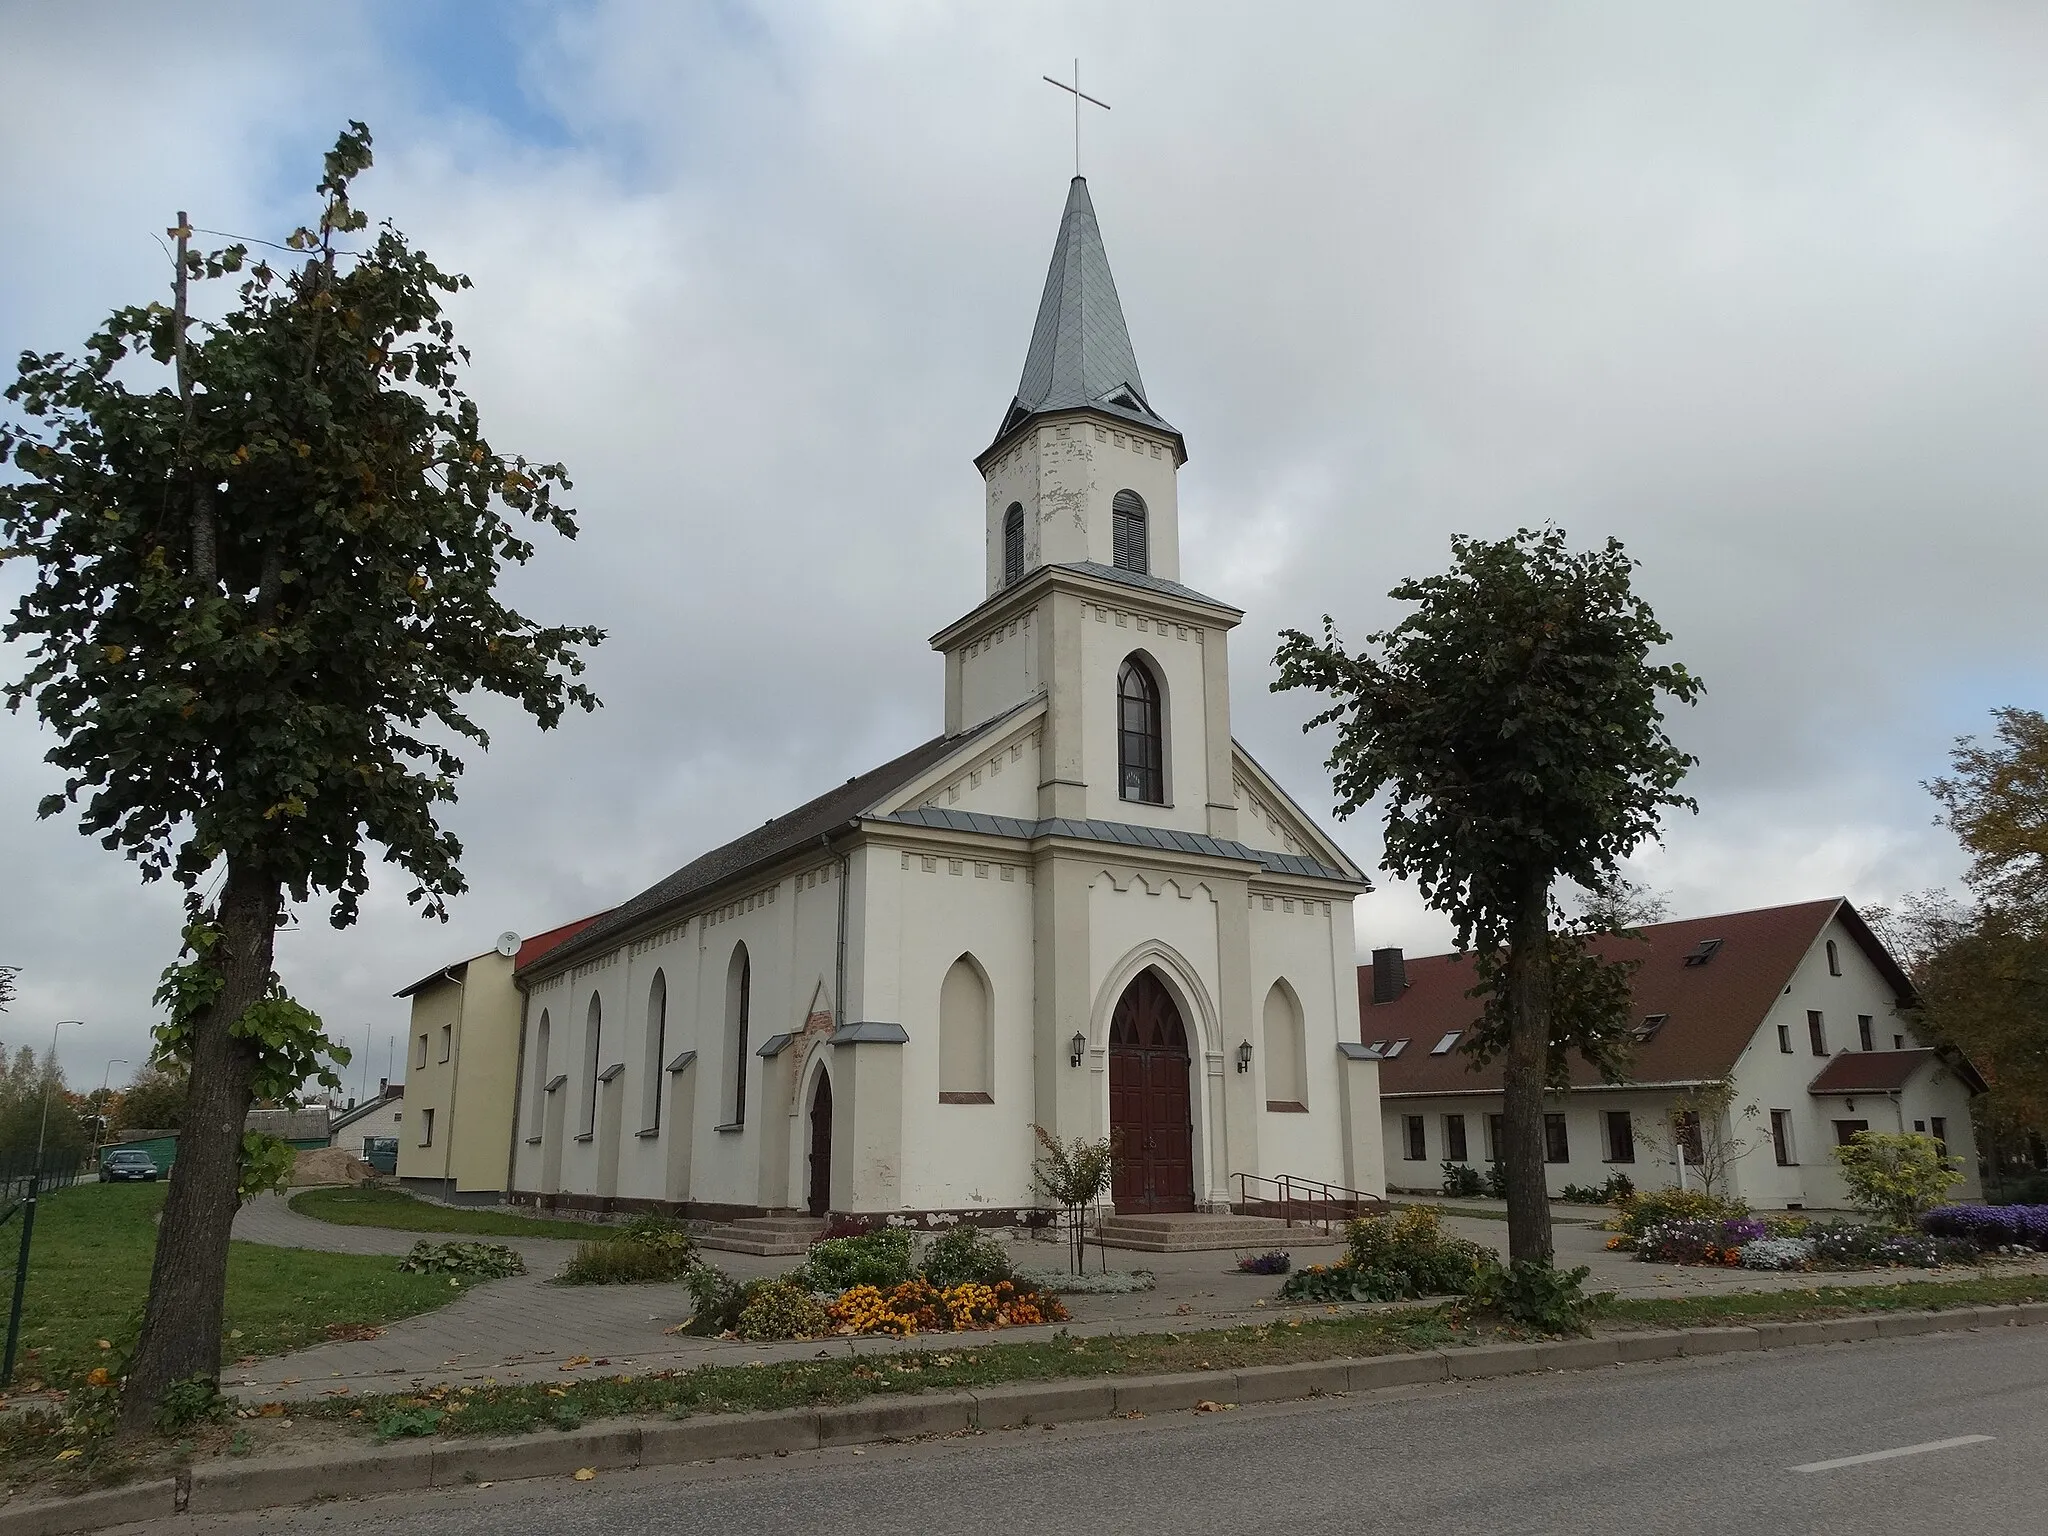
(1525, 1072)
(181, 1325)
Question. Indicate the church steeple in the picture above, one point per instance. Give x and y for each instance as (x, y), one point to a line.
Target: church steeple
(1081, 356)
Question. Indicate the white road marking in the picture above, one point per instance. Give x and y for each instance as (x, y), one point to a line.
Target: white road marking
(1904, 1450)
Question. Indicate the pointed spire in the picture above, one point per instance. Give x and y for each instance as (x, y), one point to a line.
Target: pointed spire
(1080, 350)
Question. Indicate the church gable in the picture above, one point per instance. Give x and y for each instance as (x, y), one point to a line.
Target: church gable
(1268, 819)
(996, 774)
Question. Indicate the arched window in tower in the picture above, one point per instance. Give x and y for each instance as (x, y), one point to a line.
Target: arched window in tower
(1013, 543)
(1140, 738)
(1128, 543)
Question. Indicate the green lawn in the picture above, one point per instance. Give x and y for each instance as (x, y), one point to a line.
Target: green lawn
(89, 1275)
(372, 1207)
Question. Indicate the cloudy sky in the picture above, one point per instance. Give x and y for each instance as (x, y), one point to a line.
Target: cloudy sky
(1757, 288)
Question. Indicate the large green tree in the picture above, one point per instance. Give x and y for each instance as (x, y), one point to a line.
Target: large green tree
(266, 554)
(1996, 800)
(1515, 723)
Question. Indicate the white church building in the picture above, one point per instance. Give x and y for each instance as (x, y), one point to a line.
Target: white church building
(1083, 906)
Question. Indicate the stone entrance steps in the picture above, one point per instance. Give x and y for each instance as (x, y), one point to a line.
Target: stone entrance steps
(1199, 1231)
(764, 1236)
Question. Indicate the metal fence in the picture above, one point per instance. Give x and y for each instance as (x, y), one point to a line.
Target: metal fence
(60, 1170)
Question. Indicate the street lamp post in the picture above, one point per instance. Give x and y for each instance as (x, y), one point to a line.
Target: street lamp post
(28, 1214)
(99, 1119)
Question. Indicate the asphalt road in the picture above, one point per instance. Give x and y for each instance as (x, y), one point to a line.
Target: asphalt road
(1723, 1443)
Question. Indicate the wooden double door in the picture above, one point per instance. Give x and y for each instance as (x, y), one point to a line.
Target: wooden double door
(1150, 1107)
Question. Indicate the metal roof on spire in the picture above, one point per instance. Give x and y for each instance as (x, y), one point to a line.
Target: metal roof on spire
(1081, 355)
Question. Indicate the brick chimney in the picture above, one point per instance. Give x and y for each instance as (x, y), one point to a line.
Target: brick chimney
(1389, 975)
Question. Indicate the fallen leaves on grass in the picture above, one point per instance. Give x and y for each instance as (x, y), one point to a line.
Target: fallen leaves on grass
(352, 1333)
(1206, 1406)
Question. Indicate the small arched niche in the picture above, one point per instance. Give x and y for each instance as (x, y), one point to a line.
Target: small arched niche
(966, 1044)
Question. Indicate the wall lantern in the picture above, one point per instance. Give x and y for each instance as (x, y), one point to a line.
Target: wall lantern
(1076, 1049)
(1244, 1055)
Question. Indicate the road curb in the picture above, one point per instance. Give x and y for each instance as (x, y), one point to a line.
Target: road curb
(227, 1487)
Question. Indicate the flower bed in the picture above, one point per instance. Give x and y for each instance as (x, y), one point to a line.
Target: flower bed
(1789, 1242)
(1390, 1259)
(918, 1306)
(1991, 1228)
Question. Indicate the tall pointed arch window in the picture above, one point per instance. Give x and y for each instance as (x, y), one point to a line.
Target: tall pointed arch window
(593, 1063)
(539, 1088)
(739, 1000)
(1013, 543)
(1140, 736)
(654, 1053)
(1128, 544)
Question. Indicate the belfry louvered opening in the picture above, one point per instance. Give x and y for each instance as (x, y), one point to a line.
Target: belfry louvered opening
(1129, 546)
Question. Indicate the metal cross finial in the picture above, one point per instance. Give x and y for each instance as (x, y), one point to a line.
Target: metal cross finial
(1079, 96)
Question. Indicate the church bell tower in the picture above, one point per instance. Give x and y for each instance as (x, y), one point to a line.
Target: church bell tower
(1052, 497)
(1084, 605)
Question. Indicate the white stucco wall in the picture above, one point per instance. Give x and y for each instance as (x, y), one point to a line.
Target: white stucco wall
(999, 667)
(1177, 652)
(1066, 474)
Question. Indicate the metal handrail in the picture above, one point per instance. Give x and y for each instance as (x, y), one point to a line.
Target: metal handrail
(1314, 1202)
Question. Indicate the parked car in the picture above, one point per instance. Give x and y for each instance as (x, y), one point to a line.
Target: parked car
(118, 1166)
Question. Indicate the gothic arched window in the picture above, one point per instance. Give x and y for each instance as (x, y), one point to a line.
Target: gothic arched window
(1013, 543)
(1140, 738)
(739, 988)
(1127, 541)
(656, 1049)
(593, 1040)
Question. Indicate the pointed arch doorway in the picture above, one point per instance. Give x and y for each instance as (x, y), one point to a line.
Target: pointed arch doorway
(819, 1199)
(1150, 1101)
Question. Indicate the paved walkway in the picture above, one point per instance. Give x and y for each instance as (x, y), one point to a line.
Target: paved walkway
(525, 1329)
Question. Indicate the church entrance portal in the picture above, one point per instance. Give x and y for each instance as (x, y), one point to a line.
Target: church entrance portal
(1149, 1101)
(821, 1147)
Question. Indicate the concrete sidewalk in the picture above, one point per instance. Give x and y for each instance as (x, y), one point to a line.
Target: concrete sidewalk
(526, 1329)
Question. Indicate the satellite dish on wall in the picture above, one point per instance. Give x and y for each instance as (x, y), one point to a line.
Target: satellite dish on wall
(508, 944)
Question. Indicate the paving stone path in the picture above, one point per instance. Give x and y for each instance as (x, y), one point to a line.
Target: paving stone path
(527, 1329)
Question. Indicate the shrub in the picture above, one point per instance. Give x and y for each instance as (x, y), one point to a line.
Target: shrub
(1685, 1240)
(780, 1309)
(1532, 1293)
(1108, 1282)
(620, 1261)
(1273, 1263)
(670, 1237)
(1616, 1188)
(1497, 1180)
(1388, 1259)
(716, 1300)
(1462, 1181)
(964, 1255)
(1658, 1207)
(1989, 1228)
(1852, 1245)
(880, 1258)
(1895, 1178)
(477, 1261)
(918, 1306)
(1778, 1253)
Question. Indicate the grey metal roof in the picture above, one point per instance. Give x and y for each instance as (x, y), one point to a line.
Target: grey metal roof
(768, 842)
(1141, 581)
(1166, 839)
(1080, 349)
